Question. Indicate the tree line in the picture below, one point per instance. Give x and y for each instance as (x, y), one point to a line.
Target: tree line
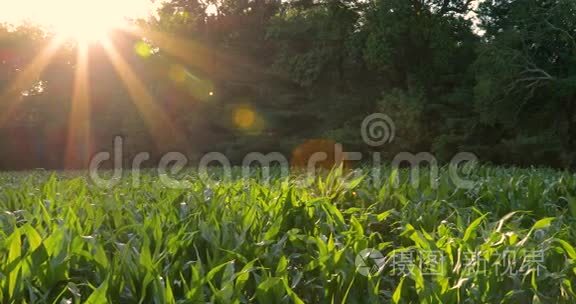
(496, 78)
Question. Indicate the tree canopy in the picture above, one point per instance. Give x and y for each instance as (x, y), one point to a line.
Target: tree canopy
(495, 77)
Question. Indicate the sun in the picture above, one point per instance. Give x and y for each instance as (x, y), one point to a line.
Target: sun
(92, 20)
(85, 28)
(85, 21)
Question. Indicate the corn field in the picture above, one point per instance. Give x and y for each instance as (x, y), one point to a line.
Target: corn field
(339, 238)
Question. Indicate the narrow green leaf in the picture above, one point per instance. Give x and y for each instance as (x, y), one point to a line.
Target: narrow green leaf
(397, 296)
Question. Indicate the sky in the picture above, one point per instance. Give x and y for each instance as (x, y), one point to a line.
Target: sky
(64, 14)
(50, 12)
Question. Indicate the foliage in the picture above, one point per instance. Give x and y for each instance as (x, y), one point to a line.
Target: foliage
(251, 241)
(495, 78)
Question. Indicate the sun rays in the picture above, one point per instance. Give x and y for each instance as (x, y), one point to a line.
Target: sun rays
(163, 130)
(159, 124)
(79, 120)
(26, 78)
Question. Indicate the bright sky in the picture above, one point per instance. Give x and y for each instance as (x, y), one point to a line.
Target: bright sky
(81, 20)
(57, 13)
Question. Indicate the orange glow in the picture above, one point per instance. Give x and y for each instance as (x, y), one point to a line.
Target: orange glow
(244, 117)
(329, 158)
